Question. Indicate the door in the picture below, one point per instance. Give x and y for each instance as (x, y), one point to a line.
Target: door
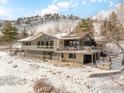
(87, 59)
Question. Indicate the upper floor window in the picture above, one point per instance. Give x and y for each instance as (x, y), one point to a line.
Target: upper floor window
(51, 43)
(38, 43)
(42, 43)
(87, 43)
(27, 43)
(47, 43)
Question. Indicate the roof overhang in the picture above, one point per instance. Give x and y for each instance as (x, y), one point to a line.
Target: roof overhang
(31, 38)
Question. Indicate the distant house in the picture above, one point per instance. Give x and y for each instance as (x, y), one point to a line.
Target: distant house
(73, 47)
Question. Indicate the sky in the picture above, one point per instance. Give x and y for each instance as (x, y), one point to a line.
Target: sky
(13, 9)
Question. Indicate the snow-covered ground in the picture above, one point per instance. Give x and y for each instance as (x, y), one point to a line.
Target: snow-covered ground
(17, 75)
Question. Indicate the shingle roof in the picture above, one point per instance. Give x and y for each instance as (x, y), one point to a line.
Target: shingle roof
(76, 35)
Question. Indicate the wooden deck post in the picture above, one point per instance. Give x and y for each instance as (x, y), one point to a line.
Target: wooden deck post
(58, 56)
(92, 58)
(98, 56)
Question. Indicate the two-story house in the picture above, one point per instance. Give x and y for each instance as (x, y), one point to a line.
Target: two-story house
(73, 47)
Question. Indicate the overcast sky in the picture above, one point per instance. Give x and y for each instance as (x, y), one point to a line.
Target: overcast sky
(12, 9)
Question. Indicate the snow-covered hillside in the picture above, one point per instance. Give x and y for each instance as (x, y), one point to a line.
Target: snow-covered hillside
(17, 75)
(55, 27)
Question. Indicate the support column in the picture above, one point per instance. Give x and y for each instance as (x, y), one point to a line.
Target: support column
(95, 57)
(98, 56)
(92, 58)
(60, 57)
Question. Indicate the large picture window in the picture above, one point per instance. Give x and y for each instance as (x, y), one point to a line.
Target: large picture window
(71, 55)
(42, 43)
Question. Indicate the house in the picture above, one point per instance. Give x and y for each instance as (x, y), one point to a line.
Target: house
(73, 47)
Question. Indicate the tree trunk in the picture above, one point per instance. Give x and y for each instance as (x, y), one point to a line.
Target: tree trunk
(10, 49)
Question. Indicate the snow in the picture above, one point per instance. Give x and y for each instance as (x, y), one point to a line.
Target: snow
(17, 75)
(61, 35)
(17, 45)
(26, 39)
(57, 27)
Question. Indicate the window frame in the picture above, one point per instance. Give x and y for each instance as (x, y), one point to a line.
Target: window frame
(72, 55)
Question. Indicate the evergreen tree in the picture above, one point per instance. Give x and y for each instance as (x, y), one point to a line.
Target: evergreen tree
(86, 25)
(9, 32)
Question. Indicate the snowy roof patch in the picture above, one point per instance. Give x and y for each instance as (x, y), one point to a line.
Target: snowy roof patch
(31, 37)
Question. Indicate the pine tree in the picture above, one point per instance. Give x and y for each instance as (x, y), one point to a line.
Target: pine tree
(86, 25)
(9, 32)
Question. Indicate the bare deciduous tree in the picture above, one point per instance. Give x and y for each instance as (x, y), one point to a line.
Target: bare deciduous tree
(112, 29)
(120, 11)
(66, 25)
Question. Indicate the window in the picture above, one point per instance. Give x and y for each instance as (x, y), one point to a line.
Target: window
(46, 43)
(71, 55)
(51, 43)
(42, 43)
(62, 55)
(87, 43)
(38, 43)
(27, 43)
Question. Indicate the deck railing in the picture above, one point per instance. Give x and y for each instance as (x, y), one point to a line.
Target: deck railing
(33, 47)
(65, 48)
(78, 48)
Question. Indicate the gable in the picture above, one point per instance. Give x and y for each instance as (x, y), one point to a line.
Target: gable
(38, 36)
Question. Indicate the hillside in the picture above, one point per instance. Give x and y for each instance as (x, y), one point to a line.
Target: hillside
(31, 23)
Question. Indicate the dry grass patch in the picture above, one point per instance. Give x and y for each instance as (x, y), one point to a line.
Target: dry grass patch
(41, 86)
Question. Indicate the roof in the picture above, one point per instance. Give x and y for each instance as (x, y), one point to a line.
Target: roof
(31, 37)
(36, 36)
(76, 35)
(73, 35)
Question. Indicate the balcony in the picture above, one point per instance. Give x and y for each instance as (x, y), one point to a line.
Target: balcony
(78, 48)
(86, 50)
(60, 49)
(67, 48)
(39, 48)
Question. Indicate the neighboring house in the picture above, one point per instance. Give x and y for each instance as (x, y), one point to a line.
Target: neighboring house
(74, 47)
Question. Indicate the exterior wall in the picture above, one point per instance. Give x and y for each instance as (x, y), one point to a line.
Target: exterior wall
(58, 57)
(43, 55)
(56, 44)
(61, 44)
(34, 42)
(55, 56)
(34, 54)
(79, 58)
